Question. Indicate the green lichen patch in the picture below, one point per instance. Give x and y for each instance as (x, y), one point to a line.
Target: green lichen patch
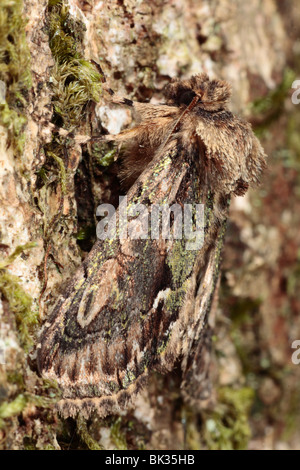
(14, 71)
(227, 427)
(181, 261)
(20, 302)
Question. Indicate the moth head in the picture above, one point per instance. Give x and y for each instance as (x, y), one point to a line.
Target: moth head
(212, 95)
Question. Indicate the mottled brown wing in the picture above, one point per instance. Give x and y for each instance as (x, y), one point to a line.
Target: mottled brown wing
(234, 155)
(128, 307)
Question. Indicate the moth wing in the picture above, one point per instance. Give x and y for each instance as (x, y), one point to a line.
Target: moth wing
(115, 321)
(235, 155)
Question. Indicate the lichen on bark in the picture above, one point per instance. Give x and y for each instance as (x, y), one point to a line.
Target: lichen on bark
(15, 72)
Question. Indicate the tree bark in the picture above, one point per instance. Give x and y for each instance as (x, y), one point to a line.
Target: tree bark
(50, 188)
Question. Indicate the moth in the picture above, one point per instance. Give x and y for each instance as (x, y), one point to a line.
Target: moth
(138, 305)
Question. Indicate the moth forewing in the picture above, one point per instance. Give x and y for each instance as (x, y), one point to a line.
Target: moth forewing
(122, 309)
(141, 303)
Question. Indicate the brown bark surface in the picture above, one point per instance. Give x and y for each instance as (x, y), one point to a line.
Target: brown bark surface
(50, 188)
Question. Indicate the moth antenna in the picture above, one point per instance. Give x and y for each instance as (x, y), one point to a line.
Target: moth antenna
(99, 68)
(102, 138)
(187, 109)
(83, 139)
(122, 101)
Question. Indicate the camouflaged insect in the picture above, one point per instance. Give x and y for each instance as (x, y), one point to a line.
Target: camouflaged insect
(139, 305)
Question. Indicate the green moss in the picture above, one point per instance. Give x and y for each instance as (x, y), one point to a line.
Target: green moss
(18, 251)
(269, 107)
(275, 98)
(117, 435)
(15, 377)
(75, 81)
(292, 418)
(290, 155)
(62, 170)
(20, 302)
(44, 401)
(30, 444)
(13, 408)
(227, 427)
(85, 436)
(53, 171)
(293, 138)
(193, 437)
(102, 156)
(85, 233)
(14, 71)
(9, 409)
(192, 431)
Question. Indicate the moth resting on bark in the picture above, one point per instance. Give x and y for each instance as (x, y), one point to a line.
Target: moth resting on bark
(142, 304)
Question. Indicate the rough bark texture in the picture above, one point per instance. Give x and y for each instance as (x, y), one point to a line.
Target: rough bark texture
(50, 187)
